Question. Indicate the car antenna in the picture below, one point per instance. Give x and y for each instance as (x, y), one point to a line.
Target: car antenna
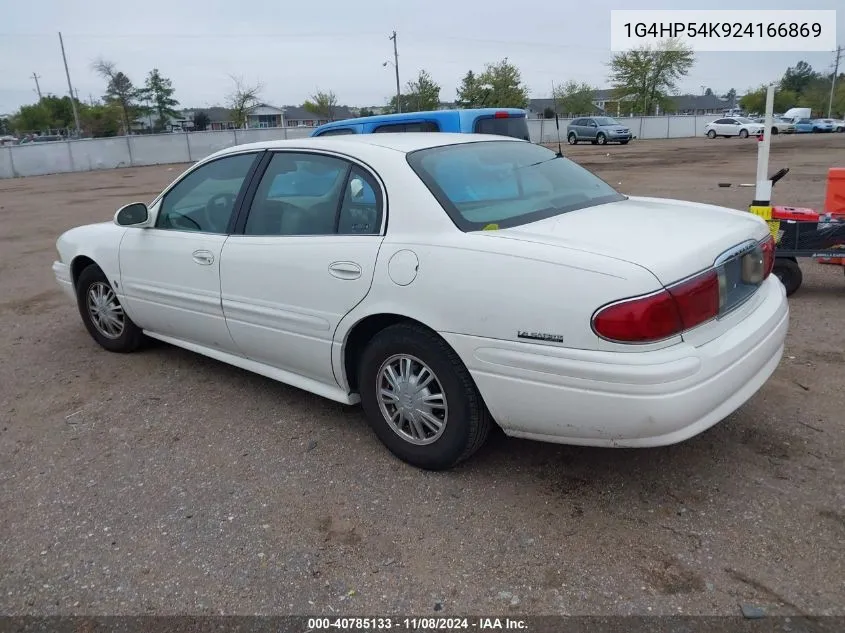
(559, 146)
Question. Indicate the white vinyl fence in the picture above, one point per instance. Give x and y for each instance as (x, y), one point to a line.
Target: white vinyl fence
(36, 159)
(642, 127)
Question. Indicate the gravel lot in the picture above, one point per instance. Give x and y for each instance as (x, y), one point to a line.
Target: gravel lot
(164, 482)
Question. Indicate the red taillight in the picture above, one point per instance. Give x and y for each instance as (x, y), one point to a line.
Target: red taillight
(663, 314)
(640, 320)
(768, 248)
(697, 298)
(679, 307)
(501, 115)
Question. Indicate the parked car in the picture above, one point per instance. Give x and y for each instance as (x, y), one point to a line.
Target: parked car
(823, 125)
(838, 125)
(489, 281)
(598, 130)
(803, 126)
(779, 126)
(503, 121)
(733, 126)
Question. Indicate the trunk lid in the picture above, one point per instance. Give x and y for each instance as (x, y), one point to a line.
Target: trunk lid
(671, 238)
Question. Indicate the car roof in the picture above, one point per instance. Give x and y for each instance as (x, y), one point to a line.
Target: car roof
(404, 142)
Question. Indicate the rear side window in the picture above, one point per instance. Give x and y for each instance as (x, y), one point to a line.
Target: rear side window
(517, 127)
(419, 126)
(336, 132)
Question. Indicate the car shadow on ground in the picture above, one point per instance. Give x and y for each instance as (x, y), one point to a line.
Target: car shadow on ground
(655, 475)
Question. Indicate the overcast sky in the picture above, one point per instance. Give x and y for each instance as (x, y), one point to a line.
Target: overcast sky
(293, 48)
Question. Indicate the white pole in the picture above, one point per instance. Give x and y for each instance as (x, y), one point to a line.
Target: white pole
(763, 194)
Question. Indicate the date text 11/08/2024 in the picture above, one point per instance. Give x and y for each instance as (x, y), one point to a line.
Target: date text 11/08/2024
(415, 624)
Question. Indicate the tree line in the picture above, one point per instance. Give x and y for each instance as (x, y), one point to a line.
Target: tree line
(800, 87)
(114, 113)
(499, 85)
(644, 81)
(123, 103)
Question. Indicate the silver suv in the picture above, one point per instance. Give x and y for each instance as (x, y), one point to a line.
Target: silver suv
(597, 129)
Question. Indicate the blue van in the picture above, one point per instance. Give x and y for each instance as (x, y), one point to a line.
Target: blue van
(502, 121)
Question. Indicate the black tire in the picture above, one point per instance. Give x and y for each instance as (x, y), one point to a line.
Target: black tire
(601, 139)
(711, 134)
(130, 336)
(743, 133)
(573, 140)
(789, 273)
(775, 130)
(467, 423)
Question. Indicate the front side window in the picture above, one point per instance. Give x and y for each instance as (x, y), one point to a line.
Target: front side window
(506, 183)
(204, 200)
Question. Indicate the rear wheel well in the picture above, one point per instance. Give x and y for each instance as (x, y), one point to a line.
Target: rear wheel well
(79, 264)
(360, 335)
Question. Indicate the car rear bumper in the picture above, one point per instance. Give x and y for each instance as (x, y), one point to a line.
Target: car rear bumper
(63, 278)
(627, 399)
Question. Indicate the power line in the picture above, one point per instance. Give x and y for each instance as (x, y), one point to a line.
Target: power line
(37, 86)
(833, 80)
(361, 35)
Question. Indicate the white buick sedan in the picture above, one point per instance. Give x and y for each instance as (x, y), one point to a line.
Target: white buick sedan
(447, 283)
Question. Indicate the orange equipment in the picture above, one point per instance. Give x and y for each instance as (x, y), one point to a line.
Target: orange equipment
(834, 204)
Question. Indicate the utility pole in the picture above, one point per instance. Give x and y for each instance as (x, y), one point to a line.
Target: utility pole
(396, 66)
(833, 80)
(70, 87)
(37, 87)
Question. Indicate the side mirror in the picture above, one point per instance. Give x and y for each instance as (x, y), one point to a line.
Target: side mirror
(131, 214)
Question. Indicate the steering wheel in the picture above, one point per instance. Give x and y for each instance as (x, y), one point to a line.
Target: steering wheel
(217, 211)
(179, 221)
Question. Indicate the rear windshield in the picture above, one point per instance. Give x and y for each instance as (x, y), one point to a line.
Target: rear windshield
(516, 127)
(506, 183)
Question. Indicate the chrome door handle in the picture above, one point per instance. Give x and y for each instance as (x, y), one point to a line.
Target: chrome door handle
(204, 258)
(345, 270)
